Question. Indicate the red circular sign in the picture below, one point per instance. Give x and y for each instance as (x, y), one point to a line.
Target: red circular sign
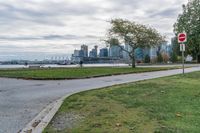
(182, 37)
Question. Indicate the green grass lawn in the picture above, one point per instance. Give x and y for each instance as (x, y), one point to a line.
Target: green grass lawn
(164, 105)
(72, 73)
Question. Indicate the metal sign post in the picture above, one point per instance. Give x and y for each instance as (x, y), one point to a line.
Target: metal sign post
(183, 58)
(182, 48)
(182, 37)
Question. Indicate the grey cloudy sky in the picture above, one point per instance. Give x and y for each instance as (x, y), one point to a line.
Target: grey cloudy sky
(37, 29)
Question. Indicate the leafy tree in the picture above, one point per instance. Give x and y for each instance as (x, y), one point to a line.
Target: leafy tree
(189, 22)
(132, 34)
(165, 57)
(147, 59)
(176, 46)
(174, 57)
(160, 58)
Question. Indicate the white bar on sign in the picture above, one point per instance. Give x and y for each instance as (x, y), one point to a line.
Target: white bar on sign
(182, 47)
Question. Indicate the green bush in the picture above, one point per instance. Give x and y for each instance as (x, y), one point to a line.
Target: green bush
(174, 57)
(147, 59)
(160, 58)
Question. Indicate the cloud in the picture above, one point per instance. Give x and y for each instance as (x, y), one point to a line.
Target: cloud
(46, 37)
(170, 12)
(61, 26)
(11, 14)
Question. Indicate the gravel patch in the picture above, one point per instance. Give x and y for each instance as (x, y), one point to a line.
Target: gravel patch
(66, 121)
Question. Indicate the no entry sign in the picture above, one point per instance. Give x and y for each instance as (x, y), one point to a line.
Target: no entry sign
(182, 37)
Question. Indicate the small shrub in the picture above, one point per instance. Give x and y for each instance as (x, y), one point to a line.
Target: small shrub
(147, 59)
(160, 59)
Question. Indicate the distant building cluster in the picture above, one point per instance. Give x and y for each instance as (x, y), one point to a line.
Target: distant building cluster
(117, 54)
(112, 54)
(90, 56)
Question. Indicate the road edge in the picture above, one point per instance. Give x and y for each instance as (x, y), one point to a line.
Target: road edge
(41, 121)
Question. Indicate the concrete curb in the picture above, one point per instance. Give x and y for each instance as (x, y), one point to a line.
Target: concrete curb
(38, 124)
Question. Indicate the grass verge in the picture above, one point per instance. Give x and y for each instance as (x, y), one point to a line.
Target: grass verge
(164, 105)
(72, 73)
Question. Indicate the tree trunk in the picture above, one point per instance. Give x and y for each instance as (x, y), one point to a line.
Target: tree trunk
(198, 58)
(133, 62)
(132, 56)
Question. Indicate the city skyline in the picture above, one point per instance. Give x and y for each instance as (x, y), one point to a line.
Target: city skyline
(37, 29)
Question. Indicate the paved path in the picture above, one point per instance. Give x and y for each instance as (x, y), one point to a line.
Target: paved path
(22, 100)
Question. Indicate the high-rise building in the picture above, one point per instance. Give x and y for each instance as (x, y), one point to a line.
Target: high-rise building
(125, 54)
(93, 52)
(76, 53)
(103, 52)
(96, 50)
(115, 51)
(153, 51)
(84, 48)
(139, 54)
(81, 53)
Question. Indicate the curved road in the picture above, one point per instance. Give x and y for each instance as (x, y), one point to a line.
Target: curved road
(22, 100)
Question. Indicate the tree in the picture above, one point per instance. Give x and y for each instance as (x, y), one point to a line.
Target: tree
(147, 59)
(160, 58)
(189, 22)
(174, 57)
(132, 34)
(165, 57)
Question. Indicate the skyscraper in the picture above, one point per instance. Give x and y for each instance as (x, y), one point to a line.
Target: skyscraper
(76, 53)
(115, 51)
(103, 52)
(125, 54)
(93, 52)
(84, 48)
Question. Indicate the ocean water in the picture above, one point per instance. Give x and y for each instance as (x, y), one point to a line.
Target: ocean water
(64, 66)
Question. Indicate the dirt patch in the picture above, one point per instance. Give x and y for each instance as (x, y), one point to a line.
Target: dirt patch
(66, 121)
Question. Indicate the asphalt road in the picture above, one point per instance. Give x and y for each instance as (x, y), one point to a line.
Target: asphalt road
(22, 100)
